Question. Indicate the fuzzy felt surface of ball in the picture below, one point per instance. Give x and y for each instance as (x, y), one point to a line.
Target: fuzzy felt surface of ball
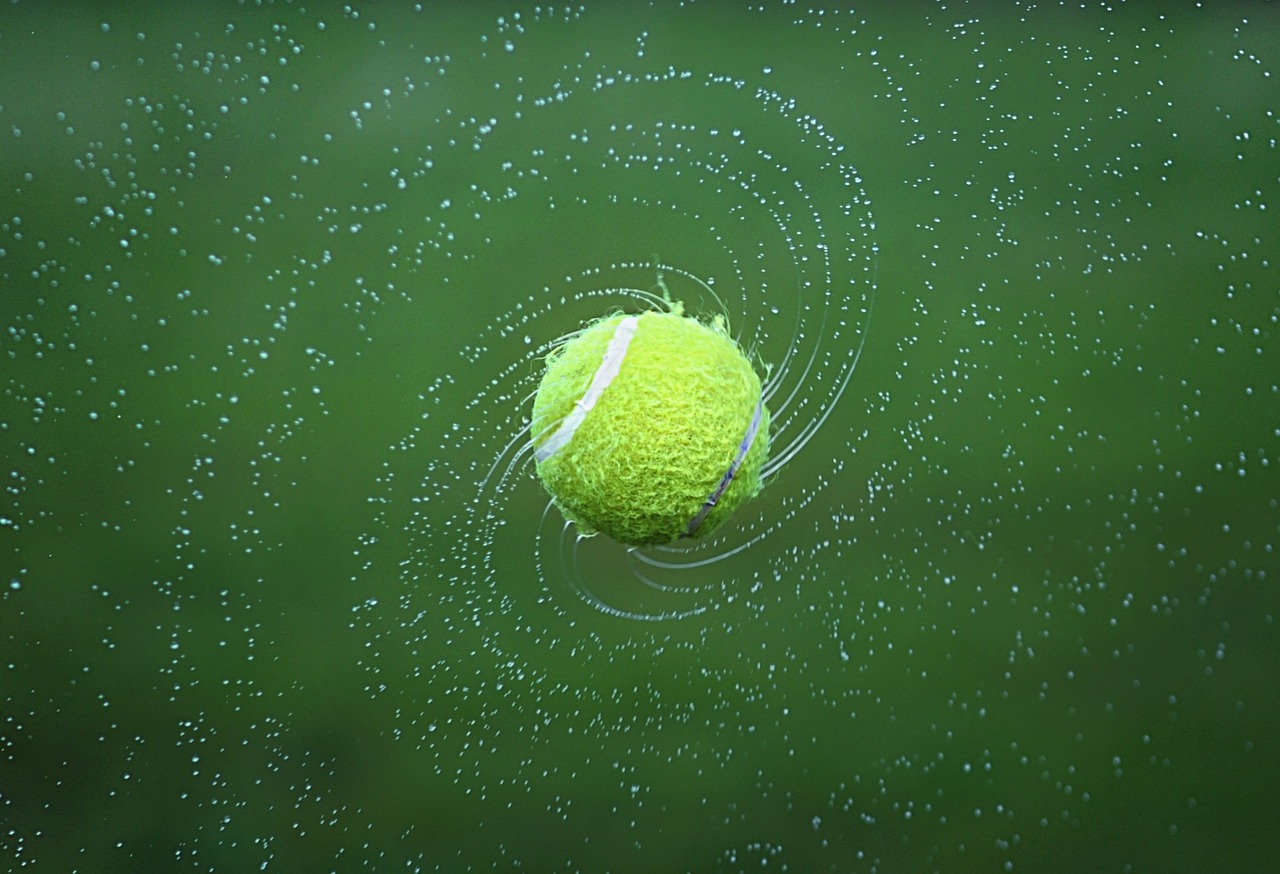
(650, 428)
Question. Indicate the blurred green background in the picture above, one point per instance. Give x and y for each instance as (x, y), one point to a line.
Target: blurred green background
(279, 591)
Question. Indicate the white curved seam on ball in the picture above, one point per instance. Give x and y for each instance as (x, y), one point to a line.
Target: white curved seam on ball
(743, 448)
(614, 353)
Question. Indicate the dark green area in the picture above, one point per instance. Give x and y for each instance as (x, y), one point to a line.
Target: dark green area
(275, 281)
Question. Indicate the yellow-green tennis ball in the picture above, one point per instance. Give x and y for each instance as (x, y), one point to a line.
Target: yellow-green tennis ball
(650, 428)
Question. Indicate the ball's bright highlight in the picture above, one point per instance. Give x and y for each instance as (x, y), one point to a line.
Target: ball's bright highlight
(650, 428)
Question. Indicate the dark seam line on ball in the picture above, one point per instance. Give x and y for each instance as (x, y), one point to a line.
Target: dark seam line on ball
(743, 449)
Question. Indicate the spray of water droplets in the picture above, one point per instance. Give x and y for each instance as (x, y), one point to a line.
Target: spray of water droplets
(282, 589)
(781, 246)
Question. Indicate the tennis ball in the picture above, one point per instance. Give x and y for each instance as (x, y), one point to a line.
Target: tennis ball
(650, 428)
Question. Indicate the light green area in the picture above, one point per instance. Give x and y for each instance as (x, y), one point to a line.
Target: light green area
(645, 465)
